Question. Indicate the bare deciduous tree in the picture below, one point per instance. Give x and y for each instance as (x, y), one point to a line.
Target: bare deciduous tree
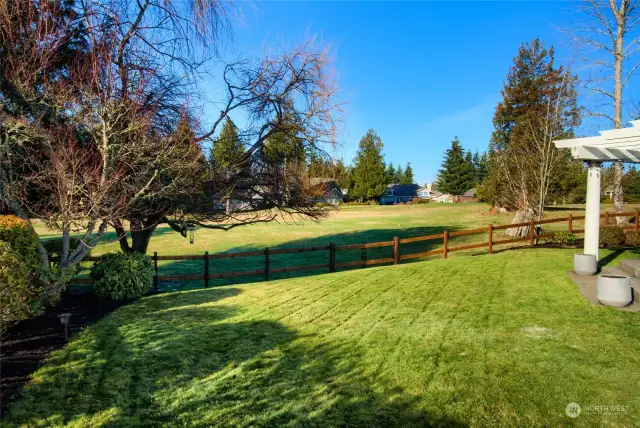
(610, 41)
(104, 134)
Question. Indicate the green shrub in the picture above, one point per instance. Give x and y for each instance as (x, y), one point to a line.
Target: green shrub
(611, 236)
(20, 286)
(120, 276)
(418, 201)
(632, 238)
(18, 290)
(22, 239)
(564, 238)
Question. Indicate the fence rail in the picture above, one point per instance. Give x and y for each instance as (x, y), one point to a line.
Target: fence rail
(396, 258)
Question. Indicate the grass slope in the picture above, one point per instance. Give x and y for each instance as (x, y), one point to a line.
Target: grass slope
(502, 340)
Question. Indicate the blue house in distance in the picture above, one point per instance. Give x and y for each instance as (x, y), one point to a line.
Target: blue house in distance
(399, 193)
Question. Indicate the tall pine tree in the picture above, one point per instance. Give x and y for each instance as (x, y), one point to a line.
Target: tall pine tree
(456, 175)
(368, 169)
(407, 176)
(390, 174)
(227, 149)
(397, 178)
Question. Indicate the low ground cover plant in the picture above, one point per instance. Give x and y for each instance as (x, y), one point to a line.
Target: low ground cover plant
(564, 238)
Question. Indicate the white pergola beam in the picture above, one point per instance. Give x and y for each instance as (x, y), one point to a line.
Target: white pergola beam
(591, 153)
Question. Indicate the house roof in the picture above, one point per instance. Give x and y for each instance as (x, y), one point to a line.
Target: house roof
(470, 193)
(436, 194)
(403, 189)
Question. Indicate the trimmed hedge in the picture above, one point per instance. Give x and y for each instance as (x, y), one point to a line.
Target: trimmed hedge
(120, 276)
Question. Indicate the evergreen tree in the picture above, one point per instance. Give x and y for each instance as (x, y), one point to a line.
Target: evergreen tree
(480, 166)
(342, 175)
(456, 175)
(631, 185)
(320, 167)
(407, 176)
(390, 174)
(397, 178)
(227, 149)
(369, 170)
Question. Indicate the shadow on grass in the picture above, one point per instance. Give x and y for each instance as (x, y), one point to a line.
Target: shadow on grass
(179, 360)
(320, 257)
(615, 253)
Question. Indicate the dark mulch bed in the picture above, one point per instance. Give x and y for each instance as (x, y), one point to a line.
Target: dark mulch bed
(25, 345)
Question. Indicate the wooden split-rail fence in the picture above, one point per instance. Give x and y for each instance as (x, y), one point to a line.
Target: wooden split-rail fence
(535, 233)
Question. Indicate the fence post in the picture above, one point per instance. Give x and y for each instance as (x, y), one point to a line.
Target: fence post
(570, 225)
(446, 244)
(332, 257)
(396, 250)
(155, 269)
(363, 256)
(490, 238)
(606, 218)
(206, 269)
(637, 218)
(266, 264)
(532, 233)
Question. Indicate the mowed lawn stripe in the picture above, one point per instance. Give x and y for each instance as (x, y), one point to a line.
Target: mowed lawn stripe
(501, 340)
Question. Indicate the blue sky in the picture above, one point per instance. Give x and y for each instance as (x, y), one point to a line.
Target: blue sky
(418, 73)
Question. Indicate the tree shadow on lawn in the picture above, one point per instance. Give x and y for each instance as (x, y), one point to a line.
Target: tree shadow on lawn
(178, 360)
(320, 257)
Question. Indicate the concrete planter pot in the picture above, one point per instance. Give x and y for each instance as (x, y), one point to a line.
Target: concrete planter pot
(614, 290)
(585, 264)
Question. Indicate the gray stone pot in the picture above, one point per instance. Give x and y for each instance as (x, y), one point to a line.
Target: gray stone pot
(614, 290)
(585, 264)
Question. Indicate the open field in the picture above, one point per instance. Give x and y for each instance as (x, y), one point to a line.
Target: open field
(501, 340)
(349, 225)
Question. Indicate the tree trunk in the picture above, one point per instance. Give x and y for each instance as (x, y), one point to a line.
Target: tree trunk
(521, 216)
(618, 195)
(140, 237)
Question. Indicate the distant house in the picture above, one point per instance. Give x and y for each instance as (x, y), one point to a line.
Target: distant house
(468, 196)
(424, 192)
(399, 193)
(608, 192)
(326, 191)
(441, 197)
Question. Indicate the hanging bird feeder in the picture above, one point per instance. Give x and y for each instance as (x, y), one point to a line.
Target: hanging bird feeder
(192, 234)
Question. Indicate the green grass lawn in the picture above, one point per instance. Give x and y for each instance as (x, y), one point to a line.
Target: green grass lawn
(501, 340)
(349, 225)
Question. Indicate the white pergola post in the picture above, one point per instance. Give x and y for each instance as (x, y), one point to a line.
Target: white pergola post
(613, 145)
(592, 214)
